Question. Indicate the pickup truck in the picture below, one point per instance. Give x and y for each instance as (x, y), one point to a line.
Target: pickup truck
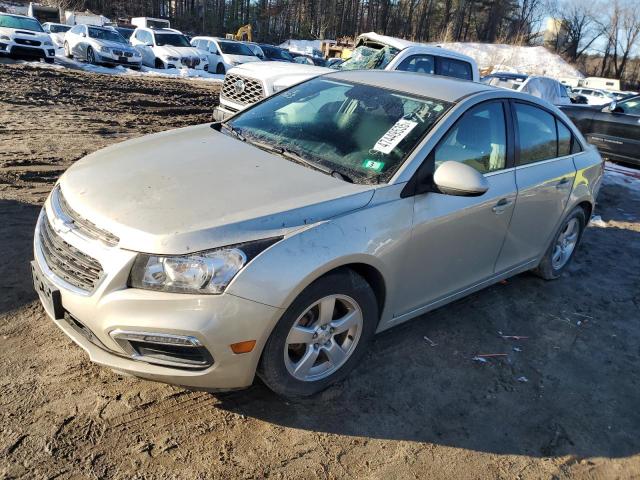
(247, 84)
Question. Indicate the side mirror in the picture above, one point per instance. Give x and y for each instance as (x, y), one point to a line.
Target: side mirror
(611, 107)
(148, 44)
(214, 51)
(459, 179)
(83, 34)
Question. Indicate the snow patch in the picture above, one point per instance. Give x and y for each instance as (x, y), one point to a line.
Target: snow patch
(515, 59)
(615, 174)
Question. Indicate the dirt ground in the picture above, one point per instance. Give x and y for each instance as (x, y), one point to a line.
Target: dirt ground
(564, 402)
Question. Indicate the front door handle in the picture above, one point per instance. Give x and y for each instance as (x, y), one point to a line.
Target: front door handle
(501, 206)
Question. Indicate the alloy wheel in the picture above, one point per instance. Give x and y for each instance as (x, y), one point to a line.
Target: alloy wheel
(565, 244)
(323, 338)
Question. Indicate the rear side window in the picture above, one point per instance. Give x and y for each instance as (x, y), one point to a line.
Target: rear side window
(536, 134)
(478, 139)
(418, 64)
(451, 67)
(564, 139)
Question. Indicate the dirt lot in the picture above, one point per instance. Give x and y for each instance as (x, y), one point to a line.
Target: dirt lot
(411, 410)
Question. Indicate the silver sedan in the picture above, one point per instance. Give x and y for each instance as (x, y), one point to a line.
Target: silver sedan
(281, 241)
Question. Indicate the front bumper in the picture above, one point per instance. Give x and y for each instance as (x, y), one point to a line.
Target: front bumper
(113, 60)
(12, 49)
(216, 321)
(222, 113)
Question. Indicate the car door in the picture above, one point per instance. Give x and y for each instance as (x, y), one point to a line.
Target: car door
(618, 132)
(544, 174)
(214, 55)
(456, 240)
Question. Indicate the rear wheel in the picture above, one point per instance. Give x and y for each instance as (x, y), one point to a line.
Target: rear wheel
(321, 337)
(563, 246)
(159, 64)
(48, 60)
(67, 50)
(220, 69)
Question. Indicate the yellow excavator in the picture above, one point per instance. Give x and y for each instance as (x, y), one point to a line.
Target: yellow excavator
(244, 34)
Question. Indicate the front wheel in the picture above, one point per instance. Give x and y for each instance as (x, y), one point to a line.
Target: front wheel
(321, 337)
(91, 57)
(563, 246)
(49, 60)
(67, 50)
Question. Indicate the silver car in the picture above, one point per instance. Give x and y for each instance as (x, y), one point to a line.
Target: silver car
(281, 241)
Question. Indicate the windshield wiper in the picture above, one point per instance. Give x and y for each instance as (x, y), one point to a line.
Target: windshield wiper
(235, 131)
(294, 156)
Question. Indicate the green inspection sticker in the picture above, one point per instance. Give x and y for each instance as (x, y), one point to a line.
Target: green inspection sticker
(374, 165)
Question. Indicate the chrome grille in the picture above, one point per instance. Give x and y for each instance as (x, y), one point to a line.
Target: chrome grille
(84, 226)
(190, 62)
(66, 261)
(242, 90)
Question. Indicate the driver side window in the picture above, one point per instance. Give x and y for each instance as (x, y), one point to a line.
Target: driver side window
(631, 107)
(478, 138)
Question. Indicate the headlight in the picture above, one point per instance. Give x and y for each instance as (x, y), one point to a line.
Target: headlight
(5, 37)
(172, 59)
(48, 43)
(206, 272)
(105, 49)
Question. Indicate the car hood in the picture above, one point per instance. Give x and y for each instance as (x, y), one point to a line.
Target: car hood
(13, 32)
(193, 189)
(116, 45)
(273, 70)
(241, 58)
(178, 51)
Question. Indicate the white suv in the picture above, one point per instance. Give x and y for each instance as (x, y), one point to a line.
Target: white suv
(248, 83)
(24, 37)
(224, 54)
(167, 48)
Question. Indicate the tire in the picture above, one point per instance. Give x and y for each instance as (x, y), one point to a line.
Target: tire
(550, 268)
(159, 64)
(67, 50)
(220, 70)
(49, 60)
(91, 57)
(281, 356)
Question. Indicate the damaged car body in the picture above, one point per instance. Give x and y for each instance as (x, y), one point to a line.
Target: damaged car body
(279, 242)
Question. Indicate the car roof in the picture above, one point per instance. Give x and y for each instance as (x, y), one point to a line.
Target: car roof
(433, 86)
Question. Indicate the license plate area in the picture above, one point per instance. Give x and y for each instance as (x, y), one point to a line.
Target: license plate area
(48, 293)
(123, 59)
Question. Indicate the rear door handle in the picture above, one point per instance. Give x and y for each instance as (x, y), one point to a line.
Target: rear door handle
(501, 206)
(564, 181)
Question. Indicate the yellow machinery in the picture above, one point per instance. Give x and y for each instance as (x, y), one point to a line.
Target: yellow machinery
(244, 34)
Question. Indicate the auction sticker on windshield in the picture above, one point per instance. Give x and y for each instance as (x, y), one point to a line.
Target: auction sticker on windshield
(394, 136)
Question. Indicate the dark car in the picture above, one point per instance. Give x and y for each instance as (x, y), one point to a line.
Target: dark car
(308, 59)
(614, 129)
(276, 54)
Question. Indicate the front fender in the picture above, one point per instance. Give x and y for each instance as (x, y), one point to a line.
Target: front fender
(375, 235)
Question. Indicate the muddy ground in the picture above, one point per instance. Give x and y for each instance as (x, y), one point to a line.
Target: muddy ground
(413, 409)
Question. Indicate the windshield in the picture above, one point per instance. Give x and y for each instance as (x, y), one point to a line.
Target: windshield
(235, 48)
(367, 58)
(278, 54)
(59, 28)
(171, 39)
(106, 35)
(21, 23)
(360, 131)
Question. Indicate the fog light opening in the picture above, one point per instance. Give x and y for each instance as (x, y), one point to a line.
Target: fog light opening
(178, 351)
